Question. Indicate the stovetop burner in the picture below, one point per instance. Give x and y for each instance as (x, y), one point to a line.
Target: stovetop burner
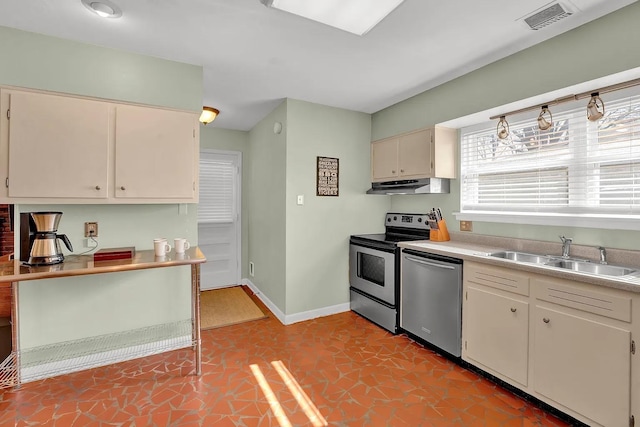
(399, 228)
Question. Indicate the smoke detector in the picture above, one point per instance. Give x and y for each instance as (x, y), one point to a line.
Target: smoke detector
(547, 15)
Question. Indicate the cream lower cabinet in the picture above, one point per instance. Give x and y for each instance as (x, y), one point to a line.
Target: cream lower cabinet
(564, 342)
(425, 153)
(582, 359)
(498, 333)
(496, 321)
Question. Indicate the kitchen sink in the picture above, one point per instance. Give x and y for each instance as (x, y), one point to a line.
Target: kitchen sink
(592, 268)
(522, 257)
(580, 266)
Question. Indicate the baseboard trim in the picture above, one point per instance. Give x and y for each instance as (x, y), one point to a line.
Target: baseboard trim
(288, 319)
(270, 305)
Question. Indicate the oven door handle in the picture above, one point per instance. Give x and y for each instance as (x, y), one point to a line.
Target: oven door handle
(419, 261)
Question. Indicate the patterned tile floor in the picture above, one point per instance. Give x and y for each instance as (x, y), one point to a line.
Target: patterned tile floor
(353, 372)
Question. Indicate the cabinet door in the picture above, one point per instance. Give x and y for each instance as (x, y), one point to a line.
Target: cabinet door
(444, 142)
(497, 332)
(415, 155)
(384, 160)
(58, 146)
(583, 365)
(156, 154)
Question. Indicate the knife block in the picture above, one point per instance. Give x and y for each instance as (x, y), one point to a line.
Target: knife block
(441, 234)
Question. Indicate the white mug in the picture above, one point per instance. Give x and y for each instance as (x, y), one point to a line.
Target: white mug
(180, 244)
(161, 247)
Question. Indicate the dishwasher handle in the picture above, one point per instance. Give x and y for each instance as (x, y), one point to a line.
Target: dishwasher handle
(420, 261)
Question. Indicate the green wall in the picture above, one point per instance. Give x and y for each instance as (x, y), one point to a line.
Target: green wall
(301, 251)
(267, 210)
(600, 48)
(233, 140)
(112, 302)
(49, 63)
(317, 244)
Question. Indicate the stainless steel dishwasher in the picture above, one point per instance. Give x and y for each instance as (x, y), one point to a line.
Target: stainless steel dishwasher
(431, 299)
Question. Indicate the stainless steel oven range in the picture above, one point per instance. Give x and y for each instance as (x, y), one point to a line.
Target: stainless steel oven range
(374, 268)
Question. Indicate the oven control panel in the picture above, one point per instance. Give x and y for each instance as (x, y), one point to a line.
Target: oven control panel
(417, 221)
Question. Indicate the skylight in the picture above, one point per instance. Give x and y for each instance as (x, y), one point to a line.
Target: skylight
(355, 16)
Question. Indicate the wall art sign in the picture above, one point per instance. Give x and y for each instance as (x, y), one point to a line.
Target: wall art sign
(327, 176)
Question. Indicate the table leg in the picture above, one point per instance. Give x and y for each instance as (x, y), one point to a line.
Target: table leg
(195, 316)
(15, 337)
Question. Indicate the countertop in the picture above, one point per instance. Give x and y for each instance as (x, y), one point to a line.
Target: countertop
(478, 251)
(79, 265)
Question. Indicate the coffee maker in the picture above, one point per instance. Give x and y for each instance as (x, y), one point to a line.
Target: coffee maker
(39, 243)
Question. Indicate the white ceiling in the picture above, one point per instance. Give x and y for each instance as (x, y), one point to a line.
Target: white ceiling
(254, 56)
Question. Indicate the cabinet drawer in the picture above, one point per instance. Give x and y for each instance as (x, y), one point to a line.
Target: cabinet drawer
(603, 304)
(496, 277)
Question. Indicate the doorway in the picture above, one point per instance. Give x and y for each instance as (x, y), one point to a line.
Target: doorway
(219, 218)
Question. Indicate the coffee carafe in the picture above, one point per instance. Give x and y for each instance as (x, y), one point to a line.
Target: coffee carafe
(43, 240)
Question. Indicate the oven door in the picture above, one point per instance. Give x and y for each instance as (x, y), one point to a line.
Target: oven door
(372, 271)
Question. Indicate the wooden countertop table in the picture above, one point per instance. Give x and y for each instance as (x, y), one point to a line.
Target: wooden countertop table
(13, 272)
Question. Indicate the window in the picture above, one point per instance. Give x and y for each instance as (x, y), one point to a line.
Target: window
(575, 168)
(217, 189)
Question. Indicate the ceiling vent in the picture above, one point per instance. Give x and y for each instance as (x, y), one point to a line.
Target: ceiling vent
(546, 16)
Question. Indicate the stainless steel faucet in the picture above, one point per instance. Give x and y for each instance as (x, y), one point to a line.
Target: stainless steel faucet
(566, 246)
(603, 255)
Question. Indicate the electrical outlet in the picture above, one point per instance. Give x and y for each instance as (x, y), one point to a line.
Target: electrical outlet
(466, 226)
(251, 267)
(90, 229)
(90, 243)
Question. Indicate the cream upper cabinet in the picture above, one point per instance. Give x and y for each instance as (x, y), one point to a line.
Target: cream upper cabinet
(58, 146)
(65, 149)
(384, 160)
(155, 154)
(425, 153)
(495, 322)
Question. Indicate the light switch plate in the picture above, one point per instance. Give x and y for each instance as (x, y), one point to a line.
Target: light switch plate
(301, 199)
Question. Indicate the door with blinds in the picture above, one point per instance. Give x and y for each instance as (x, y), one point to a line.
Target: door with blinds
(219, 218)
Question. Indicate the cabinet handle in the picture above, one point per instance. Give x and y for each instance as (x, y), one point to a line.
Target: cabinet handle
(545, 319)
(513, 310)
(122, 188)
(402, 170)
(393, 171)
(419, 261)
(97, 187)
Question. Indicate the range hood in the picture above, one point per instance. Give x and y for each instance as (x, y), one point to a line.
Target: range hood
(411, 186)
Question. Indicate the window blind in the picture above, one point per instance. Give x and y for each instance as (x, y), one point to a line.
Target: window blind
(217, 190)
(575, 167)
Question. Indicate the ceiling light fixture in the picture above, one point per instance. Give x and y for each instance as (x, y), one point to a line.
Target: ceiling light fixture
(103, 8)
(595, 107)
(208, 115)
(593, 110)
(543, 123)
(503, 128)
(355, 16)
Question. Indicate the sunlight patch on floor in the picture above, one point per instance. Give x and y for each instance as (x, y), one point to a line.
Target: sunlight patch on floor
(305, 403)
(271, 397)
